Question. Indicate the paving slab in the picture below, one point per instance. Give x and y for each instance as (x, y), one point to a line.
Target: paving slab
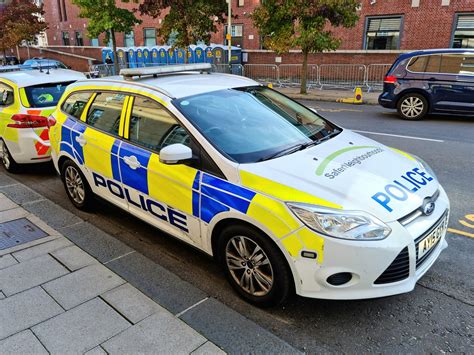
(52, 214)
(131, 303)
(29, 274)
(80, 329)
(73, 257)
(41, 249)
(28, 245)
(26, 309)
(14, 213)
(208, 348)
(6, 261)
(6, 203)
(232, 331)
(96, 351)
(156, 282)
(24, 342)
(94, 241)
(6, 180)
(2, 296)
(21, 194)
(160, 333)
(41, 224)
(82, 285)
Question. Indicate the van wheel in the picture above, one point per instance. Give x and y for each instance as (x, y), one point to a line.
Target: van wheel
(254, 266)
(412, 107)
(77, 188)
(7, 160)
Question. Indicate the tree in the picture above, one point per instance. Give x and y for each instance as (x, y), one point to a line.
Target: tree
(187, 21)
(105, 17)
(20, 20)
(307, 24)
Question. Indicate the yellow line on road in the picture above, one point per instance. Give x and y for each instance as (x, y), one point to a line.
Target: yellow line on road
(457, 231)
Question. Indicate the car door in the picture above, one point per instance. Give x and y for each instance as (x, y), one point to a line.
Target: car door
(96, 141)
(166, 196)
(450, 86)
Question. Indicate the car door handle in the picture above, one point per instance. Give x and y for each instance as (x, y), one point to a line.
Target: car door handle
(132, 162)
(81, 140)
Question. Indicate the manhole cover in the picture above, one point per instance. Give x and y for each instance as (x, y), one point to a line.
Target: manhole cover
(19, 231)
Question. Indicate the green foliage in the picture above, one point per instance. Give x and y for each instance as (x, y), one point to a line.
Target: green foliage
(286, 24)
(187, 21)
(20, 20)
(105, 17)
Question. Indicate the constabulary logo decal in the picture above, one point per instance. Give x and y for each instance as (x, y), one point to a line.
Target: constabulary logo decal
(348, 164)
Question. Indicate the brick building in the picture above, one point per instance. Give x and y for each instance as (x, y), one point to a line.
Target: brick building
(383, 25)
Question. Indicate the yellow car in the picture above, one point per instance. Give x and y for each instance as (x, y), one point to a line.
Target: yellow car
(27, 98)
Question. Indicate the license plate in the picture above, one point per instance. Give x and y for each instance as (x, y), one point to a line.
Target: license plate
(433, 238)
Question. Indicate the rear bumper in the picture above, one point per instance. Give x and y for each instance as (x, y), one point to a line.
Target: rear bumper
(387, 100)
(31, 146)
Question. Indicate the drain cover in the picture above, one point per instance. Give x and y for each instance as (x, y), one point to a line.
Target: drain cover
(19, 231)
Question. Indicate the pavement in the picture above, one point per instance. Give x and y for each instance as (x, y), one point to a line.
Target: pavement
(437, 317)
(369, 98)
(68, 287)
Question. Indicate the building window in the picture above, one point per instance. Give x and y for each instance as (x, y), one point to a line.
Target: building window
(383, 33)
(94, 42)
(237, 35)
(463, 34)
(240, 3)
(65, 36)
(79, 39)
(129, 39)
(149, 35)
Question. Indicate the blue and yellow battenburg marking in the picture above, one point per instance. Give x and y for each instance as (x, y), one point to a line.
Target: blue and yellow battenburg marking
(174, 192)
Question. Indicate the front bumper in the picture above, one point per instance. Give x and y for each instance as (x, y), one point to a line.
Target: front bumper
(366, 261)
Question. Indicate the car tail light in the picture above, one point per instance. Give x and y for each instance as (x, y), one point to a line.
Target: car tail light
(390, 79)
(28, 121)
(51, 121)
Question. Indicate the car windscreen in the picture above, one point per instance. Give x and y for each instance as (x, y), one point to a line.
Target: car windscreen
(254, 123)
(45, 95)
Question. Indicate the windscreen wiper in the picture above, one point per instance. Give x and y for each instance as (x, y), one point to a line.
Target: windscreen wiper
(320, 140)
(286, 151)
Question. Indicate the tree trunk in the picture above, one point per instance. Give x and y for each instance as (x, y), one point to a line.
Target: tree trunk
(114, 50)
(304, 71)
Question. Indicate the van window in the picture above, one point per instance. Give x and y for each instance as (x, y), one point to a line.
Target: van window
(105, 112)
(75, 104)
(6, 95)
(153, 127)
(418, 64)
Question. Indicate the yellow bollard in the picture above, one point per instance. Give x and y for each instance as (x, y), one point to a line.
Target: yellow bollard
(357, 99)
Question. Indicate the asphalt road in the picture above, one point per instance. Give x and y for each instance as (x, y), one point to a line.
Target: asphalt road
(438, 316)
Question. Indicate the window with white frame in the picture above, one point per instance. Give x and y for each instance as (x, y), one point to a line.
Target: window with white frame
(383, 33)
(463, 34)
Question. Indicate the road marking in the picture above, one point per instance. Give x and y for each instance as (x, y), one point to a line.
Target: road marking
(320, 109)
(457, 231)
(399, 136)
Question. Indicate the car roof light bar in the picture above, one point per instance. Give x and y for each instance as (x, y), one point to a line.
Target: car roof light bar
(129, 73)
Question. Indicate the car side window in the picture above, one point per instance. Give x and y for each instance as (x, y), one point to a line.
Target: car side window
(418, 64)
(153, 127)
(104, 113)
(457, 64)
(6, 95)
(75, 104)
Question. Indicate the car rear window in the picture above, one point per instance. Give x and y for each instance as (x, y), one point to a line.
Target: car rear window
(45, 95)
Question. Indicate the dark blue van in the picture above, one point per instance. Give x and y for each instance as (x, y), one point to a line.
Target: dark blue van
(430, 81)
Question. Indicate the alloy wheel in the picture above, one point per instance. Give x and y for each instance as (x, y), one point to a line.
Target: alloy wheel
(412, 107)
(74, 184)
(249, 266)
(5, 156)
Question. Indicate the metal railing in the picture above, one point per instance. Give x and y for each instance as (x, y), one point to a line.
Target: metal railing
(343, 76)
(375, 75)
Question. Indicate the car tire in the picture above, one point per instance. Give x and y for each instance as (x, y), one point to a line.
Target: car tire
(412, 107)
(254, 266)
(7, 160)
(76, 185)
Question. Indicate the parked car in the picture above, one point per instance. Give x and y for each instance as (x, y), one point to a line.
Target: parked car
(27, 98)
(430, 81)
(283, 199)
(44, 63)
(9, 60)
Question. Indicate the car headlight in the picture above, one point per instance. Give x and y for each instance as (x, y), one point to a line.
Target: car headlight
(351, 225)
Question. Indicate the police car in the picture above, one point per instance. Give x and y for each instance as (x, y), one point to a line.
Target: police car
(27, 98)
(285, 200)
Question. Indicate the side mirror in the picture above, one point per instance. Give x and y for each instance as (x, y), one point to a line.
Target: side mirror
(175, 153)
